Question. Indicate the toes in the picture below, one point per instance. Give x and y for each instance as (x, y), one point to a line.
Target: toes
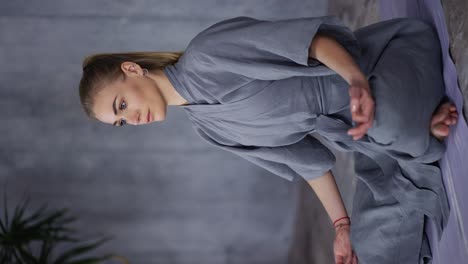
(445, 108)
(444, 116)
(453, 118)
(448, 106)
(451, 107)
(440, 130)
(454, 121)
(438, 118)
(450, 120)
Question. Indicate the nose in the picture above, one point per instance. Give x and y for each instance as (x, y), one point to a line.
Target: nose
(134, 118)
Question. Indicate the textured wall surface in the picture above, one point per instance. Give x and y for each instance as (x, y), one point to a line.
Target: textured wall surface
(456, 15)
(166, 196)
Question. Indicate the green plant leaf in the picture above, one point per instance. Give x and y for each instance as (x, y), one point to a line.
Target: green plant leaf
(78, 250)
(46, 250)
(38, 213)
(34, 217)
(6, 254)
(2, 227)
(49, 228)
(19, 211)
(18, 258)
(6, 210)
(26, 256)
(51, 218)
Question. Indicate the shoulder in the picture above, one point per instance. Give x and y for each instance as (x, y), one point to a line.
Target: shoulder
(212, 46)
(214, 33)
(226, 24)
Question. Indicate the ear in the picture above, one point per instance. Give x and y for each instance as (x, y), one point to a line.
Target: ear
(131, 68)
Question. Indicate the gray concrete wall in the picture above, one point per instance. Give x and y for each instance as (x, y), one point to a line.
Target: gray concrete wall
(456, 15)
(166, 196)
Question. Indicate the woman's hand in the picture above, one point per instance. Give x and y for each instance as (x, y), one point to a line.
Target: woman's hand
(330, 52)
(343, 251)
(362, 106)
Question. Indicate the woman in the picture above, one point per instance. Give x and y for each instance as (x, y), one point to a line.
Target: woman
(259, 88)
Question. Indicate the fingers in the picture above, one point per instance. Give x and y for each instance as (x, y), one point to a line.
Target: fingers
(355, 260)
(344, 256)
(369, 108)
(359, 117)
(367, 105)
(355, 96)
(339, 259)
(359, 131)
(362, 111)
(348, 258)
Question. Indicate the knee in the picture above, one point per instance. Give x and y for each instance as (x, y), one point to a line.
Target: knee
(387, 126)
(426, 28)
(400, 134)
(421, 24)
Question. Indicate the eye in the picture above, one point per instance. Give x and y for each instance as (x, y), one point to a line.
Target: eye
(123, 105)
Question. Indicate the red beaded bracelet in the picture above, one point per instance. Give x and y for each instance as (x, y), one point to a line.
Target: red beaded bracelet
(334, 222)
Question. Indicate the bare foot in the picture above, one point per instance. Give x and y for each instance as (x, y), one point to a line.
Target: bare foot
(445, 115)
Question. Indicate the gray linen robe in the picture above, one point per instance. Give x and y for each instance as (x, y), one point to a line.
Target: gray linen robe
(253, 91)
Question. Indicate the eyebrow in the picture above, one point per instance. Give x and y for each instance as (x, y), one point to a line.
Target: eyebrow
(115, 110)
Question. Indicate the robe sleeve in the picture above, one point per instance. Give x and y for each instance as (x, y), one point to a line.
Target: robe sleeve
(266, 50)
(307, 158)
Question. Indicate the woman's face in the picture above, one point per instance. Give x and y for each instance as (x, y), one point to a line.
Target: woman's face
(132, 101)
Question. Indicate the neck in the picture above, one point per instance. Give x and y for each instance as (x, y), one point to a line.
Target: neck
(171, 96)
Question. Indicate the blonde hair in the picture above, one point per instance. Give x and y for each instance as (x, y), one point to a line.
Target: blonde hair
(102, 69)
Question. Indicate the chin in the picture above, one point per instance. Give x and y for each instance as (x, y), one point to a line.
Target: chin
(159, 119)
(160, 115)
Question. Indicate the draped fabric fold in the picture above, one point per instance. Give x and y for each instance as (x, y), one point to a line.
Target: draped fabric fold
(253, 91)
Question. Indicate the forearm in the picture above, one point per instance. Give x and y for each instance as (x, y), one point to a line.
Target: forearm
(331, 53)
(328, 193)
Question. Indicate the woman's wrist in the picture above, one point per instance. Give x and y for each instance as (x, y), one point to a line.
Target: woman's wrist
(339, 225)
(356, 78)
(342, 227)
(341, 222)
(341, 219)
(335, 56)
